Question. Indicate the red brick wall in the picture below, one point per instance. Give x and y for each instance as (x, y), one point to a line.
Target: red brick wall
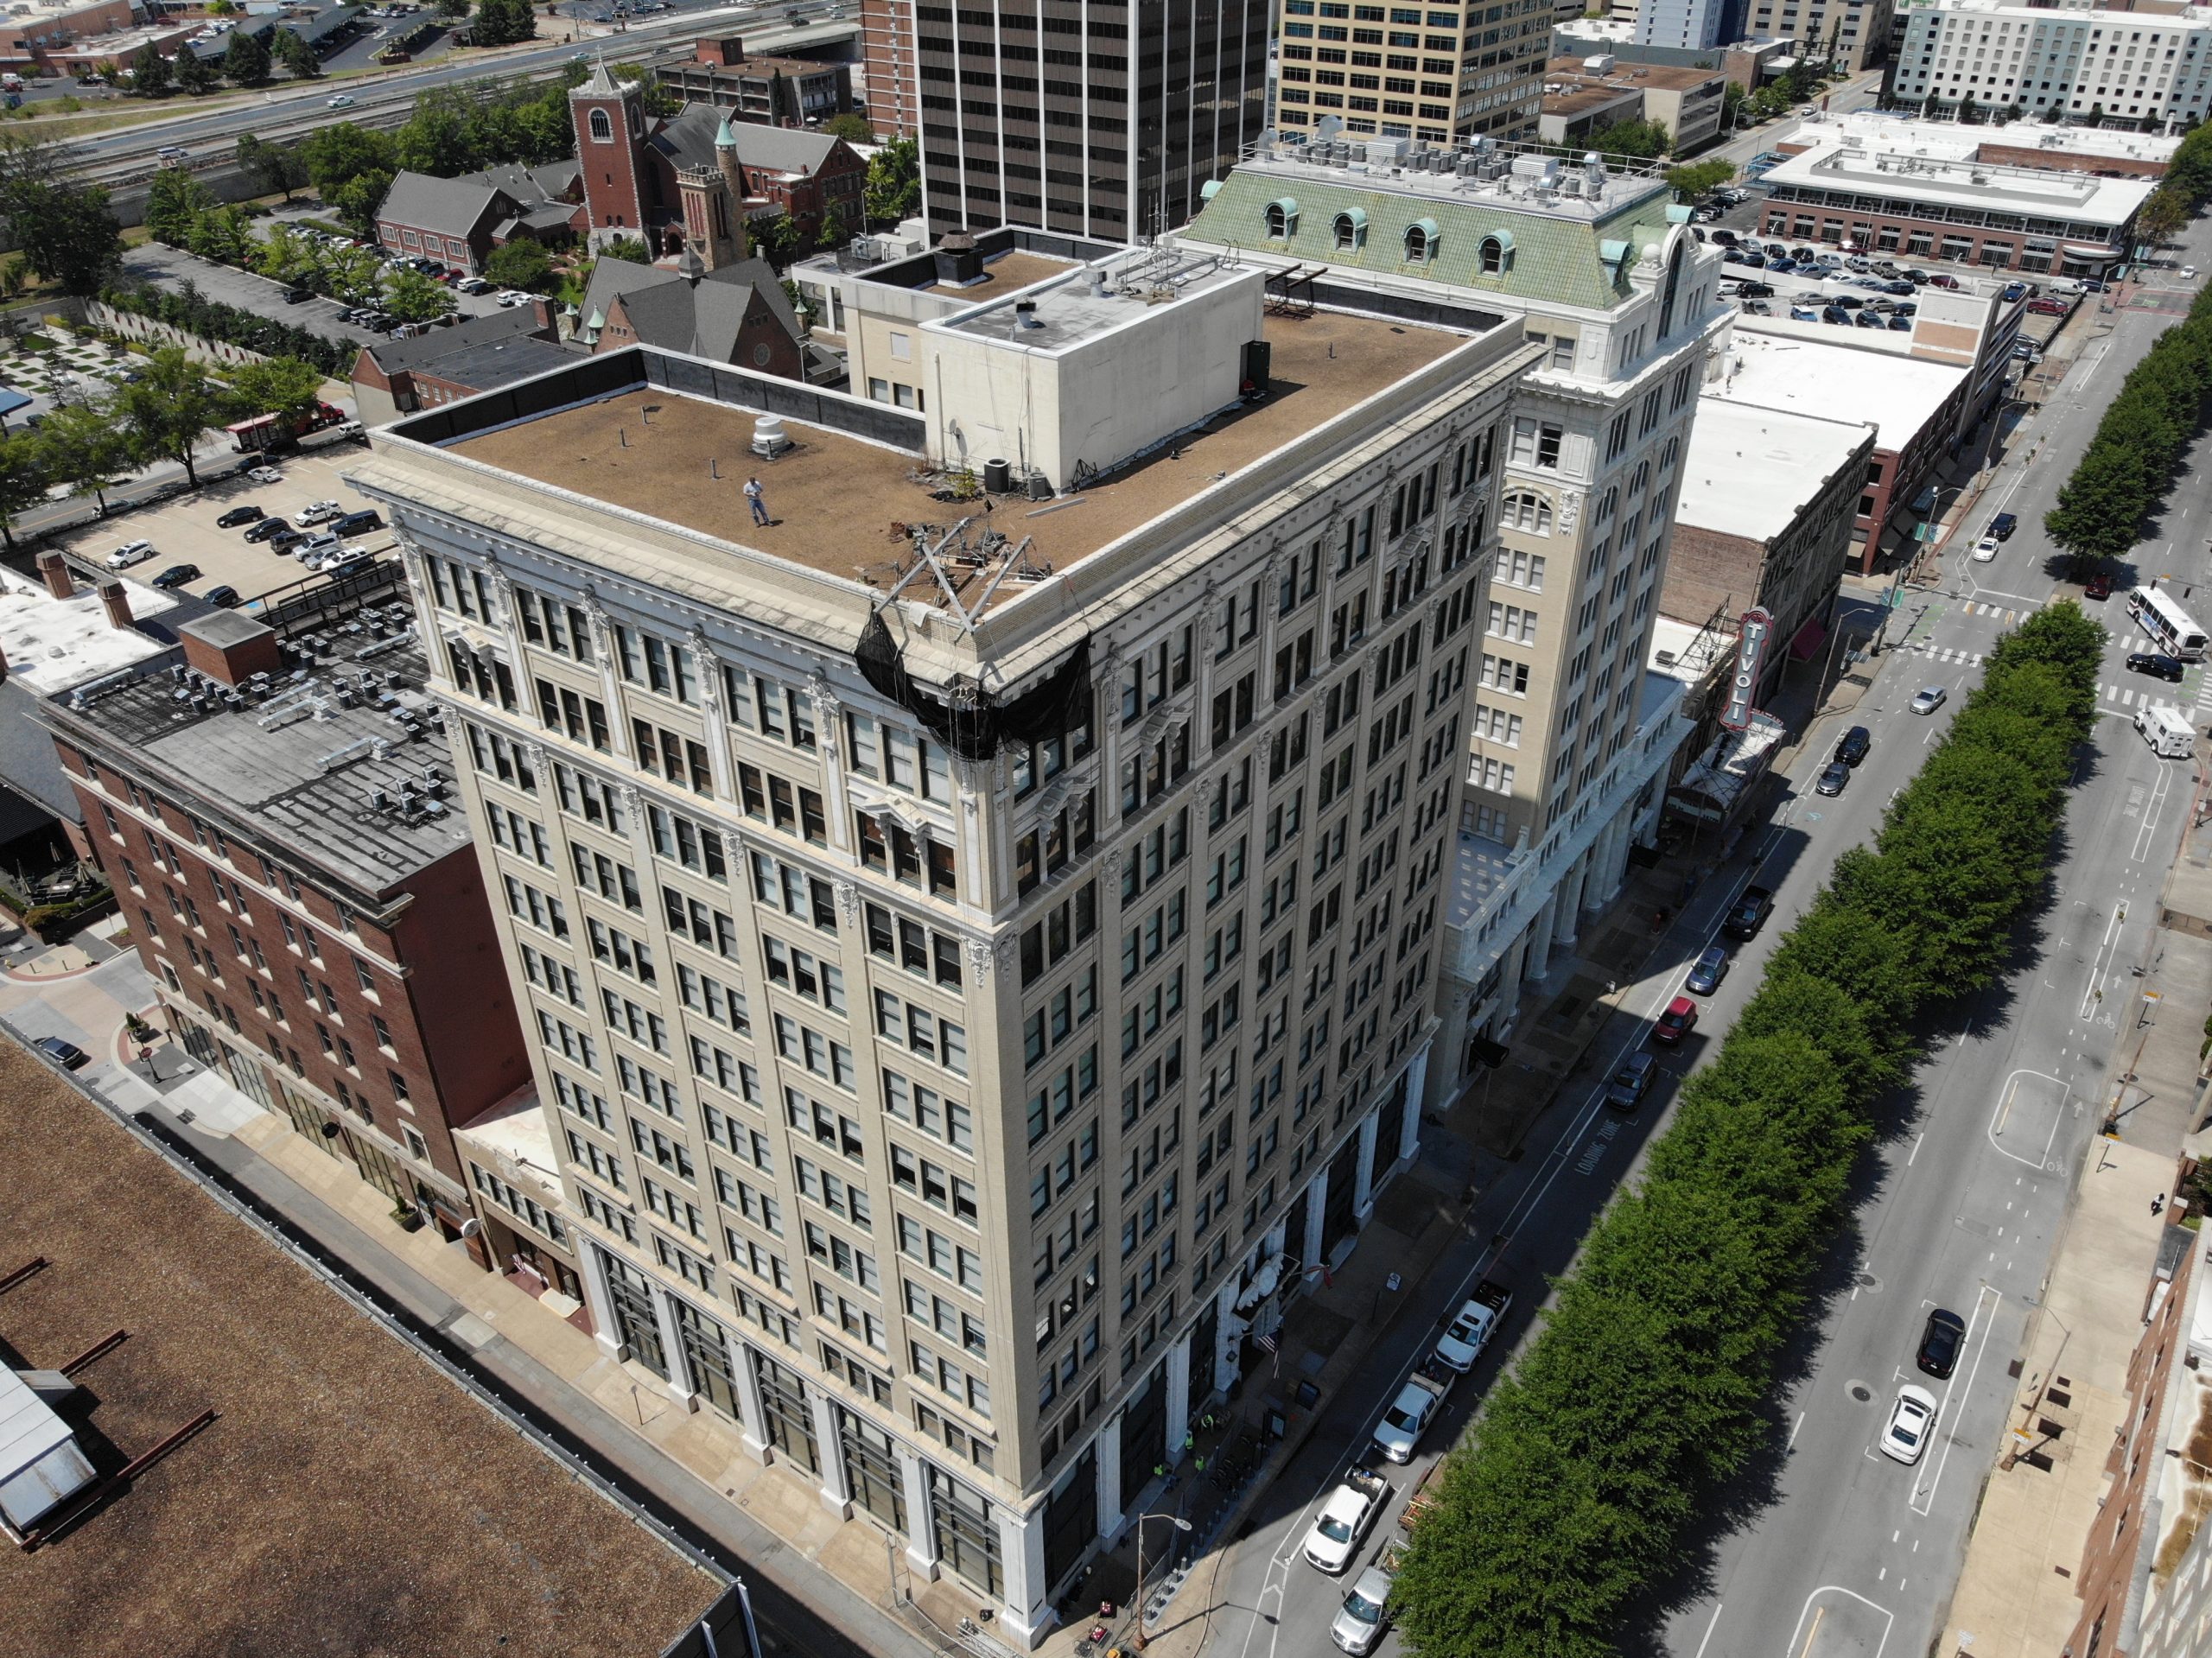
(888, 52)
(617, 191)
(456, 988)
(1710, 570)
(2059, 160)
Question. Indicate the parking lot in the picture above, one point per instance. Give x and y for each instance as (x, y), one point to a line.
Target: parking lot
(183, 530)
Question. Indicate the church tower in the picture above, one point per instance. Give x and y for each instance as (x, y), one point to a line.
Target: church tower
(732, 171)
(610, 121)
(711, 227)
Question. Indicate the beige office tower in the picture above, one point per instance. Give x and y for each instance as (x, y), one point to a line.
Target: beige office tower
(979, 927)
(1571, 738)
(1433, 73)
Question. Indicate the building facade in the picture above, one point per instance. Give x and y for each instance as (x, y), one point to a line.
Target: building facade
(1434, 76)
(458, 221)
(309, 909)
(950, 1081)
(1101, 120)
(1570, 738)
(770, 91)
(888, 68)
(1582, 94)
(2147, 68)
(1855, 34)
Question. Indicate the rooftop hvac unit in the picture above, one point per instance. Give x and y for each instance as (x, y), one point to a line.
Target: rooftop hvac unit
(1543, 169)
(769, 437)
(379, 800)
(1387, 152)
(1570, 186)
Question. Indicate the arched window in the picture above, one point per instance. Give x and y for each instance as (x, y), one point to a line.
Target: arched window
(1422, 238)
(1351, 230)
(1282, 218)
(1523, 510)
(1674, 282)
(1495, 257)
(602, 130)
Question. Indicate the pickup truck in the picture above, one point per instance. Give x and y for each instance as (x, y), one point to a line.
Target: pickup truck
(1414, 1408)
(1473, 1326)
(1360, 1626)
(1345, 1520)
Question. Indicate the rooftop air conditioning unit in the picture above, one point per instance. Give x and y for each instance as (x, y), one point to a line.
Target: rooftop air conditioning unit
(769, 437)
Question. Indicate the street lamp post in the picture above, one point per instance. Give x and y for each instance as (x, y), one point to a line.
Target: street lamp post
(1181, 1524)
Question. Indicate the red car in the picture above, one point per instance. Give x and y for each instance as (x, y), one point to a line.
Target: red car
(1680, 1019)
(2048, 307)
(2097, 587)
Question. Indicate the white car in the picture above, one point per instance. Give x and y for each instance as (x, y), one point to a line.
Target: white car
(1984, 549)
(515, 296)
(328, 561)
(2189, 273)
(1931, 698)
(318, 513)
(341, 102)
(1912, 1424)
(1399, 1433)
(471, 285)
(265, 475)
(1470, 1333)
(315, 547)
(132, 552)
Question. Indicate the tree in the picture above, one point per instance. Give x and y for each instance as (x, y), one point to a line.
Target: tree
(223, 234)
(349, 273)
(1637, 140)
(278, 386)
(356, 201)
(24, 478)
(246, 58)
(657, 99)
(2162, 216)
(776, 239)
(893, 190)
(273, 167)
(67, 233)
(435, 138)
(504, 22)
(454, 10)
(150, 72)
(194, 75)
(852, 126)
(1699, 178)
(413, 298)
(170, 407)
(630, 250)
(85, 449)
(521, 264)
(832, 232)
(173, 200)
(342, 151)
(298, 58)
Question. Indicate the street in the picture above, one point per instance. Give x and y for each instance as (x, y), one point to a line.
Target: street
(1827, 1547)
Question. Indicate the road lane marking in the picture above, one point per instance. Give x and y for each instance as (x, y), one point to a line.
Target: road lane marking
(1708, 1629)
(1936, 1476)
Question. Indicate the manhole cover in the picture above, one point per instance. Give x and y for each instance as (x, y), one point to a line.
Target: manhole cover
(1868, 1281)
(1860, 1391)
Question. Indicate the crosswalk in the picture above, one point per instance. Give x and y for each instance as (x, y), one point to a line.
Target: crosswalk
(2121, 700)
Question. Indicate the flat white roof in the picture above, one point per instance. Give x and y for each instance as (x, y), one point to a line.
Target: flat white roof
(1895, 395)
(1958, 141)
(1789, 457)
(53, 643)
(1682, 650)
(1863, 166)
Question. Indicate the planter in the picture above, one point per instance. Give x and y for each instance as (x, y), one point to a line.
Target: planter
(409, 1218)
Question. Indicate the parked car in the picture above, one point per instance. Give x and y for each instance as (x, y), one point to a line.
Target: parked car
(1632, 1081)
(1344, 1519)
(2002, 525)
(132, 552)
(177, 575)
(1834, 779)
(1912, 1421)
(67, 1055)
(1835, 318)
(1929, 698)
(473, 285)
(2015, 290)
(1674, 1022)
(227, 596)
(2049, 307)
(316, 513)
(2155, 663)
(1939, 1341)
(1707, 971)
(1899, 325)
(2097, 587)
(1899, 287)
(1758, 308)
(238, 515)
(1365, 1616)
(298, 296)
(1943, 279)
(266, 529)
(1399, 1433)
(1471, 1327)
(1984, 549)
(1748, 913)
(286, 540)
(264, 474)
(1874, 319)
(515, 296)
(1755, 290)
(1853, 745)
(353, 523)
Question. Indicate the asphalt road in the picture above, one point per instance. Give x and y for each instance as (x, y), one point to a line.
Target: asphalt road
(1828, 1549)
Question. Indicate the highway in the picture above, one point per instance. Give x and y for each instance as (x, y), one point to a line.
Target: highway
(1825, 1549)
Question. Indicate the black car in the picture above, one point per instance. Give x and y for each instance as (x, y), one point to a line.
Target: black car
(1939, 1342)
(298, 296)
(177, 575)
(353, 523)
(2154, 663)
(238, 515)
(267, 530)
(67, 1055)
(1705, 977)
(1853, 745)
(2002, 525)
(226, 596)
(1748, 913)
(1632, 1081)
(1755, 290)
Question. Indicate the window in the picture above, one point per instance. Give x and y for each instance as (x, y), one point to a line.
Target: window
(1421, 239)
(1350, 231)
(1525, 509)
(1282, 218)
(602, 129)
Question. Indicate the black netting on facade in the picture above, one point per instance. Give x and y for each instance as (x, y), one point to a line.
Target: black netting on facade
(967, 718)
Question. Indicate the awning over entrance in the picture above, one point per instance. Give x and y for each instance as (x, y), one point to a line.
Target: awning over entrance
(1809, 639)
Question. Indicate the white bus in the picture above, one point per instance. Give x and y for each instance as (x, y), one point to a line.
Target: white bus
(2167, 623)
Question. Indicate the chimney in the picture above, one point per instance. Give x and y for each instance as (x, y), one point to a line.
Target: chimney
(56, 569)
(117, 597)
(542, 309)
(228, 647)
(957, 260)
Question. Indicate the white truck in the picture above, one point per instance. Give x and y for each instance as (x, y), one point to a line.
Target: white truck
(1414, 1408)
(1345, 1519)
(1473, 1326)
(2170, 736)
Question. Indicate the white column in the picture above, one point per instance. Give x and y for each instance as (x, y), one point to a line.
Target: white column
(1224, 1357)
(1363, 1178)
(1568, 903)
(1110, 1479)
(1605, 862)
(921, 1535)
(1278, 1236)
(833, 1454)
(752, 1420)
(1317, 1198)
(603, 1308)
(1539, 959)
(1027, 1615)
(1178, 1397)
(679, 1373)
(1416, 1079)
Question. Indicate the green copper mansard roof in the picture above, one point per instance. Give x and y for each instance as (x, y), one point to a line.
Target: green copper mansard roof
(1562, 257)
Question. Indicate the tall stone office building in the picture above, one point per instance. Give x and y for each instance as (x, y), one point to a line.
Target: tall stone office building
(980, 949)
(1432, 74)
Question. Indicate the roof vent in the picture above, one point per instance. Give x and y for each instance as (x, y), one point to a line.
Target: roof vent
(1024, 314)
(769, 437)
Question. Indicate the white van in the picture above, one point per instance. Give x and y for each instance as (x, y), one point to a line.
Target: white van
(2171, 737)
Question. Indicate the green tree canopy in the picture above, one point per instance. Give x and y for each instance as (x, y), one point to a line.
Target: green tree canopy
(298, 58)
(521, 264)
(170, 407)
(85, 448)
(193, 73)
(271, 166)
(893, 190)
(150, 72)
(173, 198)
(1699, 178)
(1636, 140)
(245, 60)
(413, 298)
(277, 385)
(629, 249)
(437, 138)
(25, 478)
(341, 152)
(852, 126)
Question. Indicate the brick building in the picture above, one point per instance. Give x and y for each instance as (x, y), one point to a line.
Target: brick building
(32, 36)
(736, 313)
(769, 91)
(395, 377)
(894, 104)
(269, 800)
(459, 221)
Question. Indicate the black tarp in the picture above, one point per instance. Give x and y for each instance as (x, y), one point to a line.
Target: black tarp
(968, 720)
